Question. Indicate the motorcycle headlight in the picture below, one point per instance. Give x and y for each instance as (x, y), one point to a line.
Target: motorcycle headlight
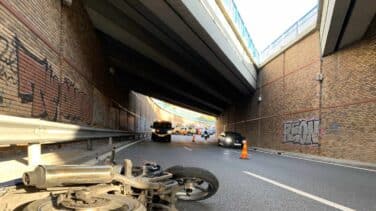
(153, 130)
(228, 140)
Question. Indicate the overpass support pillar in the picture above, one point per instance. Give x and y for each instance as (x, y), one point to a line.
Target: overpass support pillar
(34, 153)
(89, 145)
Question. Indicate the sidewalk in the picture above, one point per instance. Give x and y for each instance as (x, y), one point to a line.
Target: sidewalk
(316, 158)
(12, 167)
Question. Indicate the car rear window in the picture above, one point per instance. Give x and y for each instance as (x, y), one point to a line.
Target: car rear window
(233, 134)
(162, 125)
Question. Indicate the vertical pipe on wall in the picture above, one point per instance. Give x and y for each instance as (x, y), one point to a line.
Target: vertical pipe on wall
(60, 56)
(259, 109)
(320, 103)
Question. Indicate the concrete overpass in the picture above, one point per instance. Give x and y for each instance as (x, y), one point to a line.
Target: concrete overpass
(68, 68)
(344, 22)
(315, 96)
(172, 50)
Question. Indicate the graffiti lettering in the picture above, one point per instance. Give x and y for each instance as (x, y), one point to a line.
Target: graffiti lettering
(305, 132)
(75, 104)
(39, 86)
(8, 70)
(4, 102)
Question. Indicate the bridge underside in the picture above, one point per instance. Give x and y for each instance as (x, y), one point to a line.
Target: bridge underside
(147, 51)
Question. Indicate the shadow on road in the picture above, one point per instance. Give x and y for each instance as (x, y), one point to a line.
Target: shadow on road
(196, 205)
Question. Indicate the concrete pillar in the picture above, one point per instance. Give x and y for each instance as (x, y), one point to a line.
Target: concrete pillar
(113, 154)
(110, 141)
(34, 153)
(89, 145)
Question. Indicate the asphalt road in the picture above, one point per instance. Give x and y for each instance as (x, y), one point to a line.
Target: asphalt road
(265, 181)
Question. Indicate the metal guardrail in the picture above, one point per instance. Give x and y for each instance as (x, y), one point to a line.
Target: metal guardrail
(19, 130)
(294, 31)
(237, 19)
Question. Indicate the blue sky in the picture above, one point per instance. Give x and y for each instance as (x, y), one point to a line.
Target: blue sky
(267, 19)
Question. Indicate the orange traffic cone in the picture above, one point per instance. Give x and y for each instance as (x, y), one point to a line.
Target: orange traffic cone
(244, 154)
(193, 138)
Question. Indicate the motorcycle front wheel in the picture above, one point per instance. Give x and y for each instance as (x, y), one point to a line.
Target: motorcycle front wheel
(197, 183)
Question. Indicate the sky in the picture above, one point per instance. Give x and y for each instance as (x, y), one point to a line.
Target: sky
(183, 112)
(267, 19)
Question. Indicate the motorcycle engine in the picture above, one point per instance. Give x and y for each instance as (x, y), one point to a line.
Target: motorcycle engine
(152, 170)
(83, 200)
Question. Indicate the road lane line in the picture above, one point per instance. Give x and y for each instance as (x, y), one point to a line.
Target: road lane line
(318, 161)
(302, 193)
(187, 148)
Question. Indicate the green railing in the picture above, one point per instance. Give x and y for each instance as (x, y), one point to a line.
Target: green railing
(294, 31)
(235, 15)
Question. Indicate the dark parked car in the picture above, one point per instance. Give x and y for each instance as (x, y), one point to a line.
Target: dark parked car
(230, 139)
(161, 131)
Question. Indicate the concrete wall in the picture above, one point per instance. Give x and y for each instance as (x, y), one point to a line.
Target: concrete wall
(334, 118)
(52, 67)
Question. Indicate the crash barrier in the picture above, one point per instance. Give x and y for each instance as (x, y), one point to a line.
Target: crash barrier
(34, 132)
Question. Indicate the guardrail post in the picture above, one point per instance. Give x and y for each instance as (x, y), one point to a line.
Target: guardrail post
(89, 145)
(109, 140)
(34, 153)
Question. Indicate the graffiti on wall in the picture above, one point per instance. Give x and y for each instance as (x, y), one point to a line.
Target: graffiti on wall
(304, 132)
(40, 87)
(4, 102)
(8, 61)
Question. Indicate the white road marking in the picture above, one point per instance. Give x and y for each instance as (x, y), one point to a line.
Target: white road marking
(187, 148)
(318, 161)
(103, 156)
(299, 192)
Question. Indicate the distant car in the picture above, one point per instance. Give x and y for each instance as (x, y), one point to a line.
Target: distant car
(230, 139)
(191, 131)
(161, 131)
(181, 131)
(211, 131)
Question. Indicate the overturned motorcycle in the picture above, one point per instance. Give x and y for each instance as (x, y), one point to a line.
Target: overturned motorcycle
(108, 187)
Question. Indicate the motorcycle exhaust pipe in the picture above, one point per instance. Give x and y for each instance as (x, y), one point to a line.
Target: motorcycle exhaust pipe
(53, 176)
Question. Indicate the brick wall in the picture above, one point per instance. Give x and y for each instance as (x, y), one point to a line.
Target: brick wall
(52, 67)
(334, 118)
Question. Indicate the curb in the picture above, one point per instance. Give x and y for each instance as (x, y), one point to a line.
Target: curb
(329, 160)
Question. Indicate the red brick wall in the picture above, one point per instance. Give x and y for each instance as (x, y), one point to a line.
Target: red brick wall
(349, 102)
(334, 118)
(52, 67)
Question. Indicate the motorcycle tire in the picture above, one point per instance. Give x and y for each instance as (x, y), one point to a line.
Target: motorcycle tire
(180, 172)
